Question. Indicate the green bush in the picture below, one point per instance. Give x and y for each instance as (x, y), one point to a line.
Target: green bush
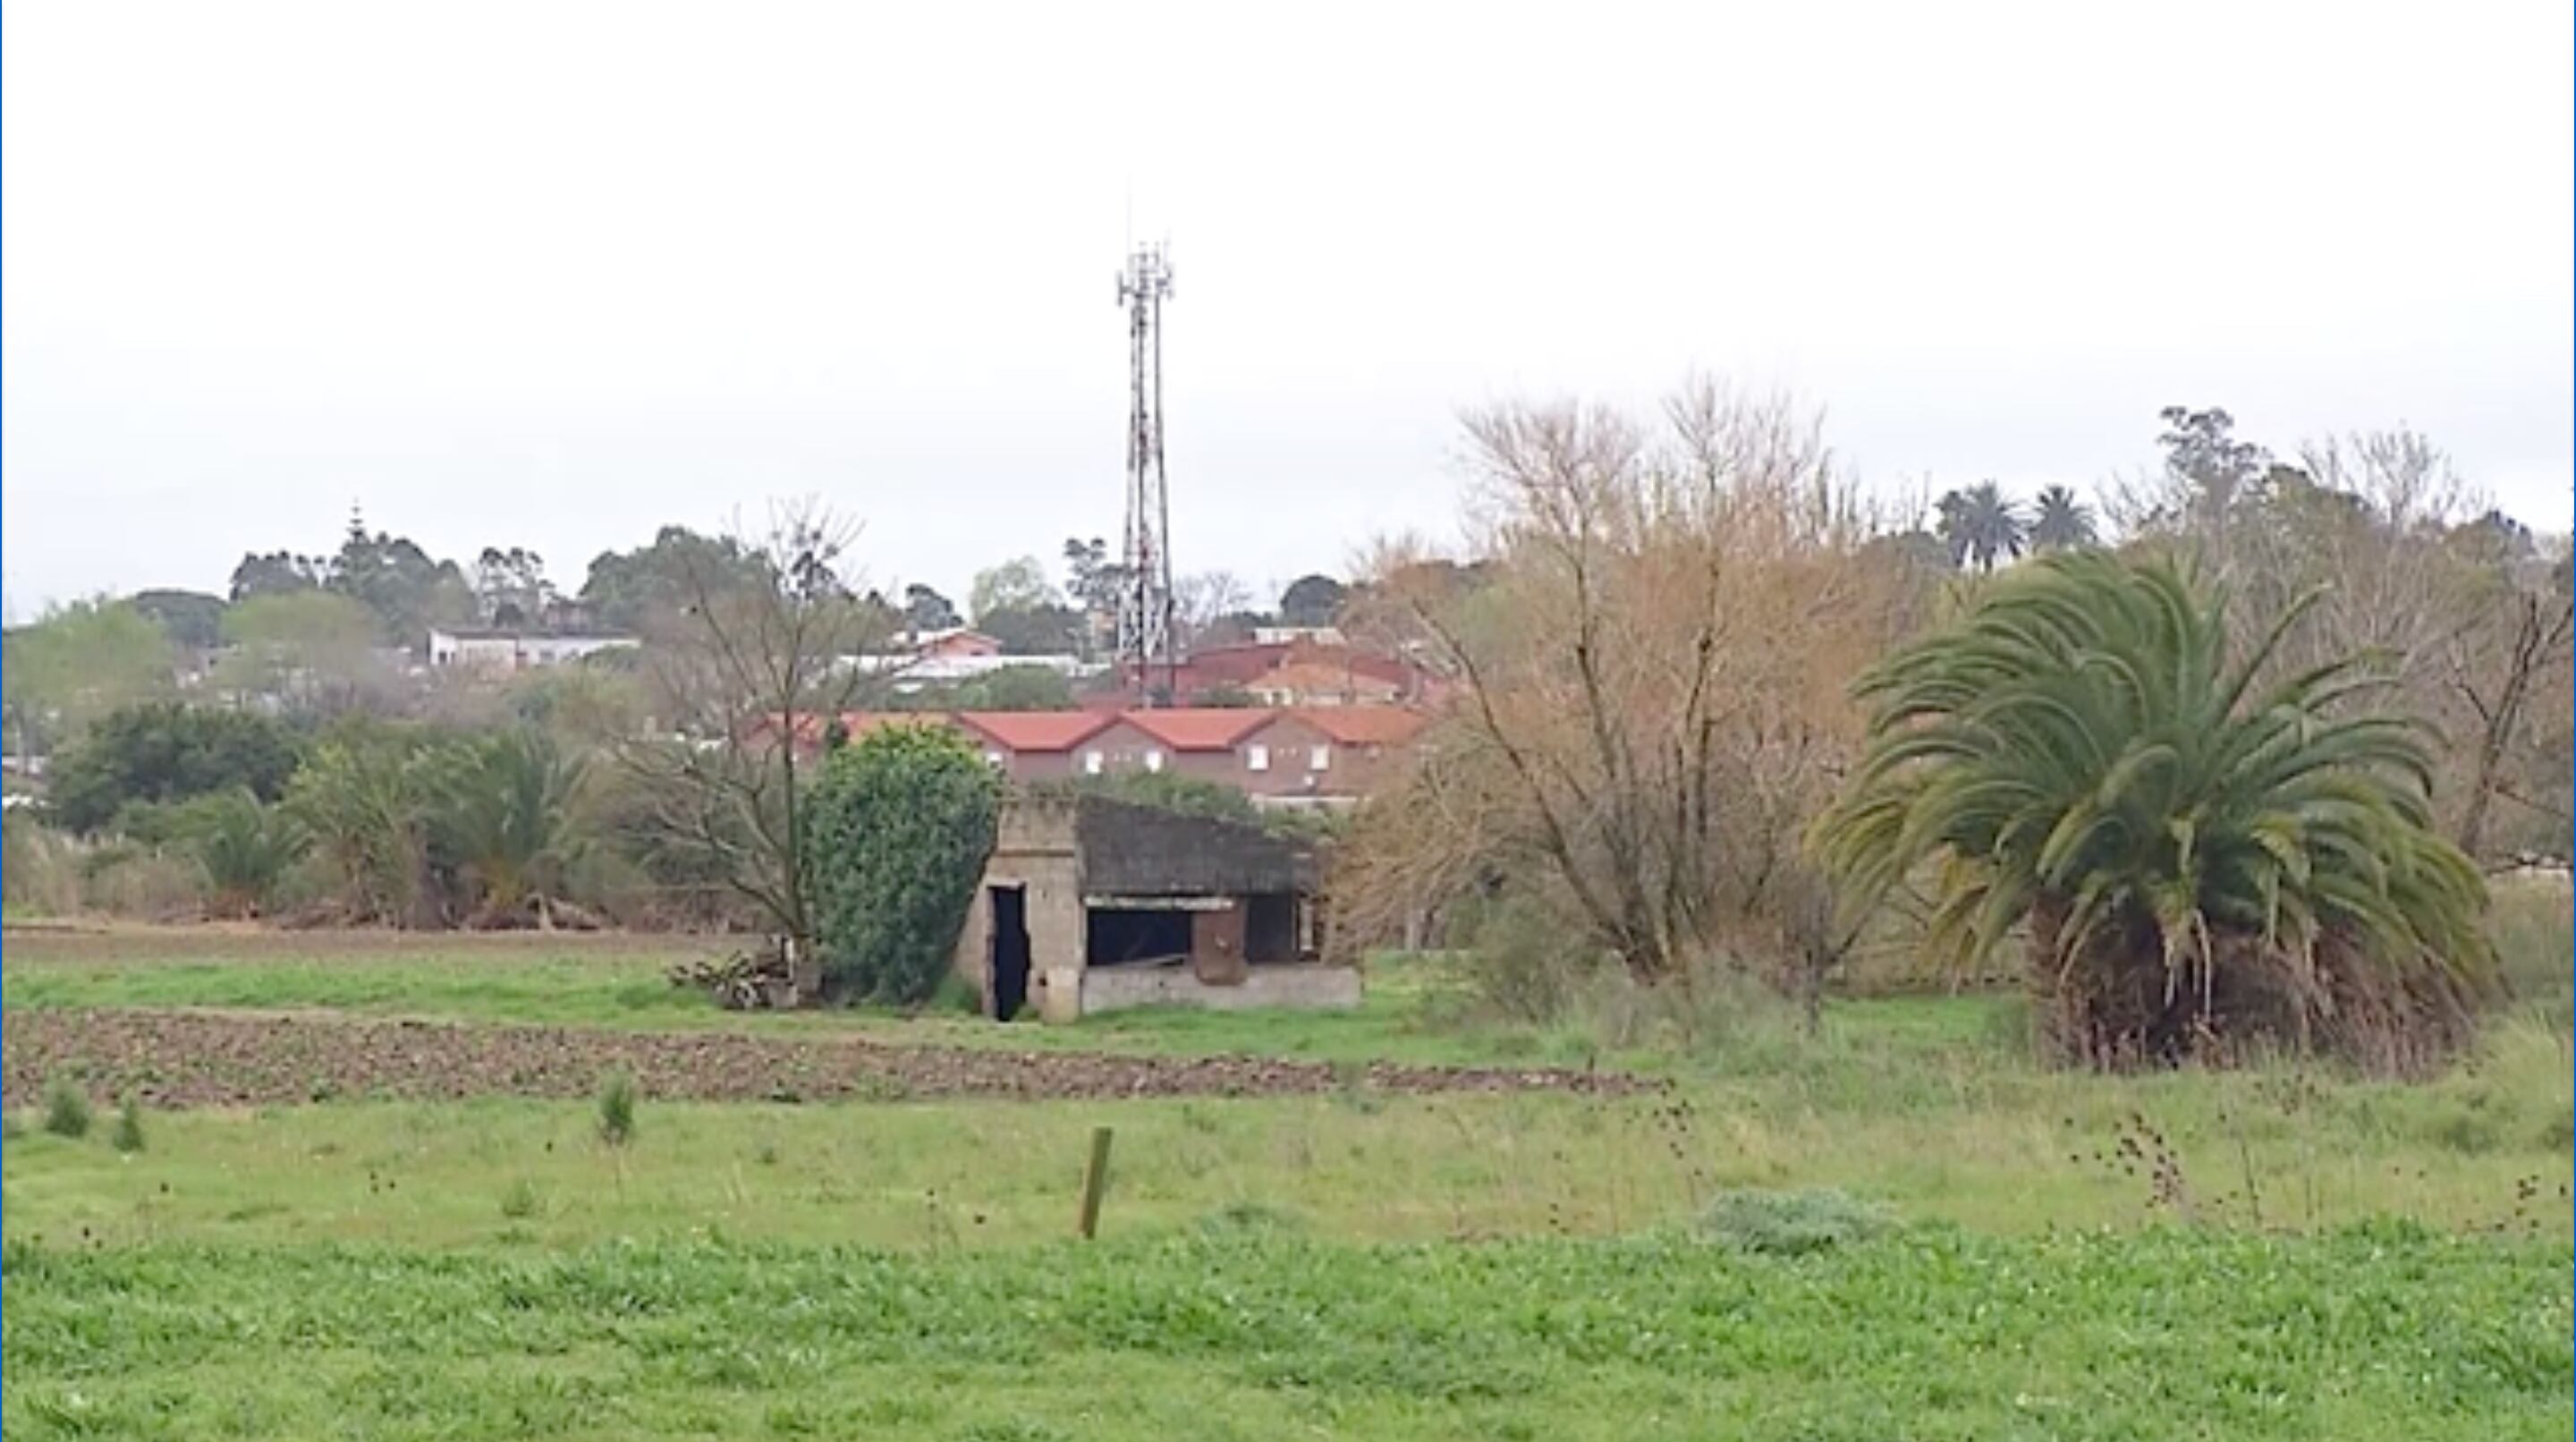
(165, 752)
(128, 1135)
(66, 1108)
(617, 1108)
(1790, 1224)
(899, 824)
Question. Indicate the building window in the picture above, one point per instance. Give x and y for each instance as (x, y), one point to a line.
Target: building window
(992, 758)
(1319, 758)
(1256, 758)
(1153, 760)
(1091, 763)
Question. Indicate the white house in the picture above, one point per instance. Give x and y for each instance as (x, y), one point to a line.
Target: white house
(515, 650)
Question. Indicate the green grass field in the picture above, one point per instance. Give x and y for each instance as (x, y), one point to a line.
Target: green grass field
(2390, 1333)
(2283, 1252)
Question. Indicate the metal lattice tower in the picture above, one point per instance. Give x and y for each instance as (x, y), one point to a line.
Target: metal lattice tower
(1145, 639)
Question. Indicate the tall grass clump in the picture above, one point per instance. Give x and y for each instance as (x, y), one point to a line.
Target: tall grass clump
(617, 1108)
(1790, 1224)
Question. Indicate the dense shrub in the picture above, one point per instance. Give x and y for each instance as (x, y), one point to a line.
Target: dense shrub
(245, 849)
(166, 752)
(66, 1107)
(900, 822)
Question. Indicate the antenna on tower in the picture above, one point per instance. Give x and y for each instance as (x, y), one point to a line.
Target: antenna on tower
(1145, 639)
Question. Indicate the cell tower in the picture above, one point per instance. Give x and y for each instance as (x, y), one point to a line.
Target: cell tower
(1145, 640)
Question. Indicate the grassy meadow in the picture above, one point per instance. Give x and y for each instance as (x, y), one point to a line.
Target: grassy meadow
(1897, 1227)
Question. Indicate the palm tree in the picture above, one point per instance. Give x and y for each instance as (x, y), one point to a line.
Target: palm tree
(244, 848)
(2060, 522)
(362, 806)
(2187, 862)
(1981, 525)
(501, 814)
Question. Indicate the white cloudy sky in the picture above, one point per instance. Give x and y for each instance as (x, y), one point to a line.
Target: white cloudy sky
(552, 274)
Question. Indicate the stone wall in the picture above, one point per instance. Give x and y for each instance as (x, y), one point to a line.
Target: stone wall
(1306, 986)
(1033, 850)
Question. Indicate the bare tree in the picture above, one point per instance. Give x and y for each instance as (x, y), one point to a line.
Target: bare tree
(1652, 660)
(1200, 600)
(2516, 650)
(756, 669)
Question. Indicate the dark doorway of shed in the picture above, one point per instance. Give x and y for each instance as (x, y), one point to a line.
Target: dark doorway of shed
(1270, 928)
(1114, 934)
(1010, 944)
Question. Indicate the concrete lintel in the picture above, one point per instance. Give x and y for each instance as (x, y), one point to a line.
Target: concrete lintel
(1161, 903)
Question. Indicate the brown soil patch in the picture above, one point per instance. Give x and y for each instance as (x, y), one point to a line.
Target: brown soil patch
(245, 941)
(188, 1058)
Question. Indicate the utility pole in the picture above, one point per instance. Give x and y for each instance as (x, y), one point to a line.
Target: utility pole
(1145, 639)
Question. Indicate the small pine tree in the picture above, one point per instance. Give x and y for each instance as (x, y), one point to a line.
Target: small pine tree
(128, 1136)
(617, 1108)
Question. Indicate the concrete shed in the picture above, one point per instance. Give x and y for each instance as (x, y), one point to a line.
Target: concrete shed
(1089, 905)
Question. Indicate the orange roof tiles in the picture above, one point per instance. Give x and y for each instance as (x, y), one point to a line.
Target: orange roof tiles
(1199, 728)
(1039, 730)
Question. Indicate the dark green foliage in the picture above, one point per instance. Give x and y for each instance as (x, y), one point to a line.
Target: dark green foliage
(165, 751)
(2189, 859)
(246, 848)
(66, 1107)
(641, 588)
(617, 1108)
(191, 619)
(899, 825)
(1982, 527)
(2060, 522)
(1311, 601)
(926, 610)
(1045, 629)
(501, 814)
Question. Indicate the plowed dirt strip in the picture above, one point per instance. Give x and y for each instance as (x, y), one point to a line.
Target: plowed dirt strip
(189, 1058)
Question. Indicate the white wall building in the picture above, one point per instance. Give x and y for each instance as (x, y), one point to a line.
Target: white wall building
(516, 651)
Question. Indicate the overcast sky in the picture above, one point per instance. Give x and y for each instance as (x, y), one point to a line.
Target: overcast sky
(555, 274)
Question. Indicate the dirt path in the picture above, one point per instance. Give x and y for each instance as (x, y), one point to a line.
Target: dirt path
(187, 1058)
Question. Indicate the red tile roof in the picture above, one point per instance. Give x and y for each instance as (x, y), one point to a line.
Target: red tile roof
(1038, 730)
(1199, 728)
(1363, 725)
(1183, 728)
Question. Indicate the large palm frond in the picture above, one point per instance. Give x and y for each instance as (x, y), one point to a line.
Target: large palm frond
(2080, 756)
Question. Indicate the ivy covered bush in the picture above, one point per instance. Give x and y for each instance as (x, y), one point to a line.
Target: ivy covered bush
(899, 824)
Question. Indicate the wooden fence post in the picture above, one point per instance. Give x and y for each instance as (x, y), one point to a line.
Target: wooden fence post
(1095, 1181)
